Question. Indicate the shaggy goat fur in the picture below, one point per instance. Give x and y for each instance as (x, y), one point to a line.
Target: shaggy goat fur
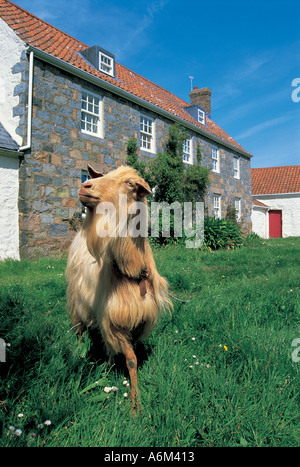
(107, 284)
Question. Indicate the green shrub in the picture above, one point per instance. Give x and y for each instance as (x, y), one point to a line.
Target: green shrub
(218, 233)
(253, 240)
(221, 233)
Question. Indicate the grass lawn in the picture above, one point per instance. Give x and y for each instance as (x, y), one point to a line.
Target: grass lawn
(218, 372)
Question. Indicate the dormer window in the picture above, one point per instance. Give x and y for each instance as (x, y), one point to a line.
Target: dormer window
(101, 59)
(197, 112)
(201, 116)
(106, 63)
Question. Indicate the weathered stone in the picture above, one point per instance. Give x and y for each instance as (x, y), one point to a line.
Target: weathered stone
(29, 190)
(67, 161)
(43, 115)
(69, 202)
(75, 173)
(41, 207)
(61, 212)
(30, 222)
(62, 100)
(109, 160)
(62, 192)
(46, 219)
(58, 230)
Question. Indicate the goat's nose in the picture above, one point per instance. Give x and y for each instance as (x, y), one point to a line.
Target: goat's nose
(87, 184)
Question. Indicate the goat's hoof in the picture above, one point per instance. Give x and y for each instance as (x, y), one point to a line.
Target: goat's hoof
(135, 405)
(135, 409)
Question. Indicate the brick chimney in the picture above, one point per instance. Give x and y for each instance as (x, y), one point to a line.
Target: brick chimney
(201, 97)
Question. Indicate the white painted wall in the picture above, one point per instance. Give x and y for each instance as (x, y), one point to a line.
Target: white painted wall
(260, 221)
(9, 213)
(11, 49)
(289, 204)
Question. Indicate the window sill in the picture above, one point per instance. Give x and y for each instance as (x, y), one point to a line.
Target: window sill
(92, 136)
(148, 151)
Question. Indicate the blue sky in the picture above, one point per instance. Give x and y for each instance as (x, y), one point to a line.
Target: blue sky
(246, 52)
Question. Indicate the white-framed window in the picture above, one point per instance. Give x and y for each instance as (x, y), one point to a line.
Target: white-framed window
(147, 133)
(236, 167)
(217, 206)
(106, 63)
(188, 151)
(215, 159)
(237, 205)
(91, 106)
(201, 116)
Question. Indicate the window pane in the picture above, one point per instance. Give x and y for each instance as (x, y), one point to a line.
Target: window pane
(146, 132)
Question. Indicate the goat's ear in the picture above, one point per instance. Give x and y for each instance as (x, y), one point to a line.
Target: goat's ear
(93, 173)
(142, 189)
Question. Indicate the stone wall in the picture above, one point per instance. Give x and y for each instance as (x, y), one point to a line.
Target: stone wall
(50, 173)
(224, 183)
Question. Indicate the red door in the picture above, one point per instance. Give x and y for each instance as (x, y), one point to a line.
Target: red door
(275, 223)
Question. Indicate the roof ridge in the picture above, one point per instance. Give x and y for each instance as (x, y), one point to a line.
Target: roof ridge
(275, 167)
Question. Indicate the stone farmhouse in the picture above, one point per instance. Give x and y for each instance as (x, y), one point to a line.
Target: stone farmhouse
(276, 201)
(63, 105)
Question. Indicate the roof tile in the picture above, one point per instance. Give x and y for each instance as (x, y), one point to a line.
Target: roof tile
(275, 180)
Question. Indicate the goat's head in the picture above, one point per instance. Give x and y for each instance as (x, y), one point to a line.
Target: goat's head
(123, 180)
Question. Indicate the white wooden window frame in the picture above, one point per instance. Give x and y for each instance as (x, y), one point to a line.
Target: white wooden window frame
(217, 206)
(91, 113)
(236, 167)
(106, 64)
(201, 116)
(188, 151)
(215, 159)
(147, 133)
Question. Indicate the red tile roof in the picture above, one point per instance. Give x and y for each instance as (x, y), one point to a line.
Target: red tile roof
(274, 180)
(47, 38)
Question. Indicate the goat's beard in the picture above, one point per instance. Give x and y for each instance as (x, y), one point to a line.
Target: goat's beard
(89, 201)
(122, 219)
(120, 228)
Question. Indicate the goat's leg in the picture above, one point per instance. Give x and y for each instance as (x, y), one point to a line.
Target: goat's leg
(131, 362)
(77, 324)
